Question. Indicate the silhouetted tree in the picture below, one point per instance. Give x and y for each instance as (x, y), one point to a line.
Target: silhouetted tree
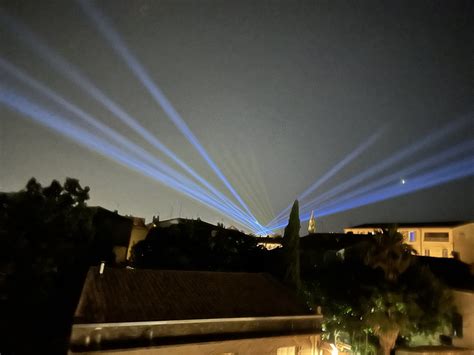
(46, 236)
(291, 243)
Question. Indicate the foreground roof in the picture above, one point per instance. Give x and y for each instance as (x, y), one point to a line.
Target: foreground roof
(413, 224)
(133, 295)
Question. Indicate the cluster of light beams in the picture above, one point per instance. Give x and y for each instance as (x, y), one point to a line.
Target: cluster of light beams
(65, 127)
(461, 149)
(330, 196)
(105, 27)
(453, 171)
(335, 169)
(73, 74)
(250, 181)
(420, 175)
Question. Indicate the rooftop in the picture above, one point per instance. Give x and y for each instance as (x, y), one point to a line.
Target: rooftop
(450, 224)
(132, 295)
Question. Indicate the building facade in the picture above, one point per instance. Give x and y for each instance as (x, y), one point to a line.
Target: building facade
(439, 239)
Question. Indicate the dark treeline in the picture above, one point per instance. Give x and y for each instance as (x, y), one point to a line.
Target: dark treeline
(197, 245)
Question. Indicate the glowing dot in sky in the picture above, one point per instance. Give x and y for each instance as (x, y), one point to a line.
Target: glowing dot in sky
(403, 181)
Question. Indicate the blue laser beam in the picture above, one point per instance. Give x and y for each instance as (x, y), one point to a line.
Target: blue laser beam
(428, 140)
(73, 74)
(105, 27)
(59, 124)
(107, 131)
(464, 148)
(336, 168)
(453, 171)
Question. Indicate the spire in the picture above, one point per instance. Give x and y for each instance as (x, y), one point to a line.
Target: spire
(312, 224)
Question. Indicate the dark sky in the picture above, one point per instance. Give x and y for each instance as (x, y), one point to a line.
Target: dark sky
(276, 91)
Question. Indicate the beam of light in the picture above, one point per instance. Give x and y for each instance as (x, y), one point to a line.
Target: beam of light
(464, 148)
(244, 171)
(104, 129)
(105, 27)
(454, 171)
(59, 124)
(427, 141)
(336, 168)
(72, 73)
(118, 138)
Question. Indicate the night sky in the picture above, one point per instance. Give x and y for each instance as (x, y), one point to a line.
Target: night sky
(277, 92)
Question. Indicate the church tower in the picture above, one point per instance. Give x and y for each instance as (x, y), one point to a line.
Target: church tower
(312, 224)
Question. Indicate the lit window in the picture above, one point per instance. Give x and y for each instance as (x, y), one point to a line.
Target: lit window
(445, 253)
(289, 350)
(427, 252)
(412, 236)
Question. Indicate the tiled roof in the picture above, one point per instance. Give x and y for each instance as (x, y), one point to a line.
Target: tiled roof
(133, 295)
(413, 224)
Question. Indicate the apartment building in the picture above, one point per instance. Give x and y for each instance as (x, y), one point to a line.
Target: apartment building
(436, 239)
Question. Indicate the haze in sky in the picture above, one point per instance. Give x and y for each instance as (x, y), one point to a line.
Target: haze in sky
(277, 92)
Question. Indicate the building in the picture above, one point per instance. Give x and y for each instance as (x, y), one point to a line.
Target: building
(112, 231)
(312, 224)
(138, 233)
(128, 311)
(437, 239)
(269, 243)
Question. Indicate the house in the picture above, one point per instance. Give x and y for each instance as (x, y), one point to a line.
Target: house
(113, 233)
(436, 239)
(132, 311)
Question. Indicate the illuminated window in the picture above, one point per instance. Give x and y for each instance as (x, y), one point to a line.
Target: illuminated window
(289, 350)
(436, 237)
(445, 253)
(412, 236)
(427, 252)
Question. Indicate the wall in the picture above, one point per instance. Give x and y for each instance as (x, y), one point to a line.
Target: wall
(464, 301)
(304, 345)
(464, 242)
(137, 234)
(436, 247)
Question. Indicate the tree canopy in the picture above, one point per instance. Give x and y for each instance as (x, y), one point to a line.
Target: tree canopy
(377, 292)
(46, 235)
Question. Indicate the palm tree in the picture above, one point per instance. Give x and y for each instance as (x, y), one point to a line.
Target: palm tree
(387, 251)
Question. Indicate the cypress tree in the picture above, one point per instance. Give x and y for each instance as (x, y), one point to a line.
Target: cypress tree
(291, 243)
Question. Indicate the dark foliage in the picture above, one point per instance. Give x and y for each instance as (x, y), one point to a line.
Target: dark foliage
(47, 241)
(291, 249)
(196, 245)
(375, 291)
